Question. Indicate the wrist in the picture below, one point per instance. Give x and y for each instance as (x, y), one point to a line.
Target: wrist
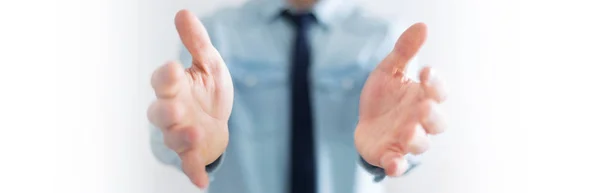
(216, 147)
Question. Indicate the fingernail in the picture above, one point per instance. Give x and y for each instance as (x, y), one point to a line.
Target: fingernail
(401, 166)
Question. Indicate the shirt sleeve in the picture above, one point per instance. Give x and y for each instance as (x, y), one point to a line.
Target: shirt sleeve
(379, 173)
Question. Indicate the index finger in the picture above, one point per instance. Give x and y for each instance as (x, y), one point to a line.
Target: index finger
(192, 34)
(405, 49)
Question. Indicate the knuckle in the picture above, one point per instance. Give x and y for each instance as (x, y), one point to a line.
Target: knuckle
(192, 135)
(176, 140)
(172, 112)
(179, 140)
(165, 113)
(170, 142)
(426, 107)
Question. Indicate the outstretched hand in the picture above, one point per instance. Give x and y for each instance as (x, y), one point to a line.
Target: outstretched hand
(397, 114)
(193, 104)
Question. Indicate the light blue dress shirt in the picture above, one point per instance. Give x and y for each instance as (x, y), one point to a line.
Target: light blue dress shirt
(255, 42)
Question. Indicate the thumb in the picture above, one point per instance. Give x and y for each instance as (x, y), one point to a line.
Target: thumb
(193, 166)
(195, 38)
(406, 47)
(394, 163)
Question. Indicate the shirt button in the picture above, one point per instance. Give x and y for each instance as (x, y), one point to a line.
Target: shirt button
(250, 81)
(348, 84)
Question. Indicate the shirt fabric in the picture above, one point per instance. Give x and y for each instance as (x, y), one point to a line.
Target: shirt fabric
(255, 42)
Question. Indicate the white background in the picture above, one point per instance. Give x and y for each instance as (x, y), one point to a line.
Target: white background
(522, 74)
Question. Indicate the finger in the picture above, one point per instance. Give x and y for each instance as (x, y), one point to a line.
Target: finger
(430, 117)
(193, 35)
(419, 143)
(193, 166)
(175, 140)
(165, 113)
(166, 80)
(405, 49)
(183, 139)
(394, 164)
(432, 85)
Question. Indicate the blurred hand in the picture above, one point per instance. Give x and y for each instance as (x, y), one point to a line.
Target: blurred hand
(396, 113)
(194, 104)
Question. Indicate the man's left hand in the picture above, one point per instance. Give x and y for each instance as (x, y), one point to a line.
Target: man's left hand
(397, 114)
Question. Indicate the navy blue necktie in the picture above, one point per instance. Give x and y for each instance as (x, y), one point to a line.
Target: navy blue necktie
(303, 174)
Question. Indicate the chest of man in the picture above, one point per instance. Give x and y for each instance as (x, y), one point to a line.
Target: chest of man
(259, 60)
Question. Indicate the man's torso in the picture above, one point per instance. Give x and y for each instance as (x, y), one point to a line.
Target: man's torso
(257, 52)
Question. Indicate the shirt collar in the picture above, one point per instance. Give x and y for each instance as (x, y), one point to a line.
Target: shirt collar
(326, 11)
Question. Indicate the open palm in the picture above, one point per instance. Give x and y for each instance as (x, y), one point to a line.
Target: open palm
(193, 104)
(397, 113)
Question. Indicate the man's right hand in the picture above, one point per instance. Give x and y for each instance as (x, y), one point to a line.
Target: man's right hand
(193, 105)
